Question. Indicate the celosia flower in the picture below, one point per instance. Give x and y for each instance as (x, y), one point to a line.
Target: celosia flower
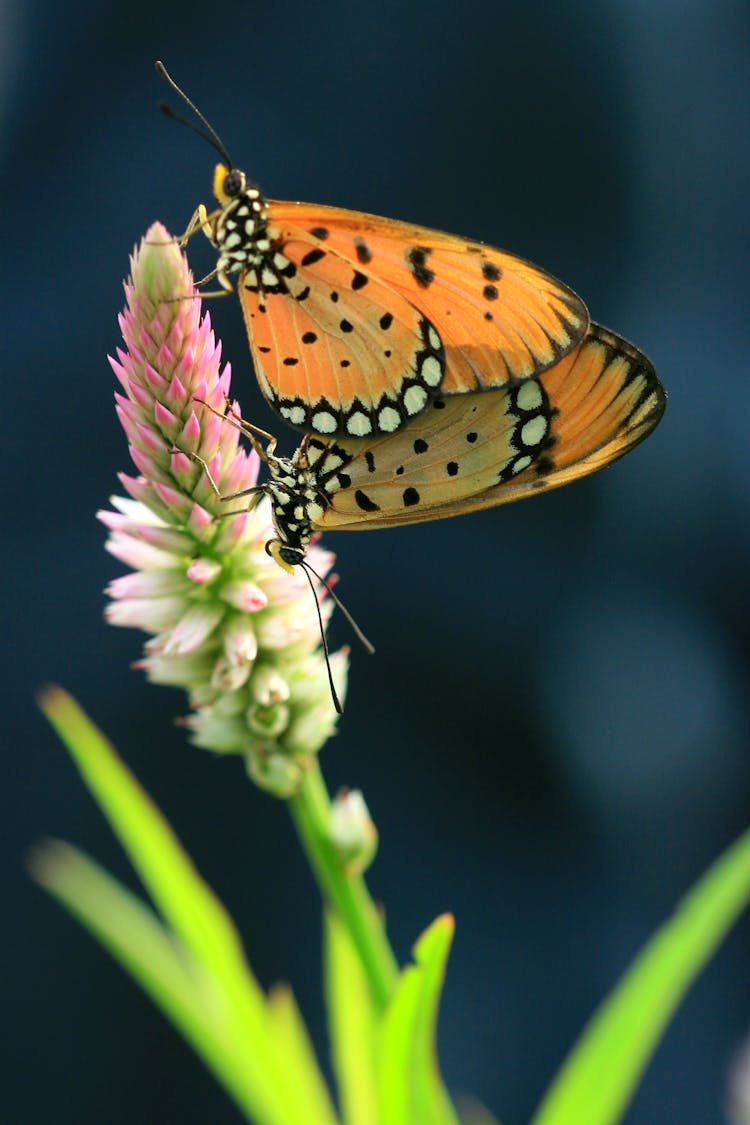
(226, 623)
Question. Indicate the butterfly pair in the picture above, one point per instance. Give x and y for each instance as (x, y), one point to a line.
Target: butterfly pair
(432, 375)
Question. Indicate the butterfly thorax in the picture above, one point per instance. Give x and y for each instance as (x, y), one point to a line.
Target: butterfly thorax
(239, 230)
(300, 489)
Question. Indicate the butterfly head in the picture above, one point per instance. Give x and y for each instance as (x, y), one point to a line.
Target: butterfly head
(228, 183)
(287, 557)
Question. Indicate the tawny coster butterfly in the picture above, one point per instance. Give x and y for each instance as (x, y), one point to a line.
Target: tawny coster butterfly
(433, 375)
(466, 452)
(463, 452)
(357, 322)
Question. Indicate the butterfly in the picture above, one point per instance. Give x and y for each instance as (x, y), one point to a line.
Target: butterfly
(463, 453)
(466, 452)
(357, 323)
(432, 376)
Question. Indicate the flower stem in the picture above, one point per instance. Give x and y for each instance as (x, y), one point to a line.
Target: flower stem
(310, 808)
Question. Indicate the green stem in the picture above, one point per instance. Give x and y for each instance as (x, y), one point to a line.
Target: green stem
(310, 808)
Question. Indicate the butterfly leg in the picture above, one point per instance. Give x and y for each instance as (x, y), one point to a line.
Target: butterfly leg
(251, 432)
(255, 491)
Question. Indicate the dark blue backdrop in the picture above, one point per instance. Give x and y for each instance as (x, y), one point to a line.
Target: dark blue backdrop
(553, 737)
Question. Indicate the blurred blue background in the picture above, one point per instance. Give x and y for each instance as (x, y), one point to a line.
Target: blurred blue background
(553, 736)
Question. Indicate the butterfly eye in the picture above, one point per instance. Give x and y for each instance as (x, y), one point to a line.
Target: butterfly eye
(234, 183)
(286, 557)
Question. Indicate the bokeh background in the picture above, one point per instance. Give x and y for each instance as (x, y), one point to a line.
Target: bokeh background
(553, 736)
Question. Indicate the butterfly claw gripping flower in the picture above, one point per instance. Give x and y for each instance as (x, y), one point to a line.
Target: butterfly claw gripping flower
(225, 622)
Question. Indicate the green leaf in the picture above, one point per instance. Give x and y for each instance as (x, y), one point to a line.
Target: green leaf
(225, 995)
(597, 1082)
(312, 1100)
(352, 1018)
(410, 1091)
(133, 934)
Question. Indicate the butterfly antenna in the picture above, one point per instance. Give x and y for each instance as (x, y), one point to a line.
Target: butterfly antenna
(208, 133)
(334, 696)
(366, 645)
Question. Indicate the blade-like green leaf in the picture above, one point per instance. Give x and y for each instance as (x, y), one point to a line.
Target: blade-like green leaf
(223, 983)
(135, 937)
(312, 1100)
(351, 1025)
(597, 1082)
(410, 1091)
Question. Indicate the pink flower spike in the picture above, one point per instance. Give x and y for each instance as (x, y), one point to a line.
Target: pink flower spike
(225, 623)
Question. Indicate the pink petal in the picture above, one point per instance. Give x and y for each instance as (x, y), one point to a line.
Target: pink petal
(204, 571)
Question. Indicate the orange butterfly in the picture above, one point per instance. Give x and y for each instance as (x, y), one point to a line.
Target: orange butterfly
(356, 322)
(462, 453)
(466, 452)
(433, 376)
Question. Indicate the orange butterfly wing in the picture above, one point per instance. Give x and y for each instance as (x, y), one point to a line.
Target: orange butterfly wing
(335, 350)
(373, 316)
(481, 450)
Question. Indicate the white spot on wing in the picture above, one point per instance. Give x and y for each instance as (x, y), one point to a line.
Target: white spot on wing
(534, 430)
(431, 371)
(358, 425)
(293, 414)
(389, 419)
(323, 421)
(414, 399)
(435, 341)
(529, 396)
(521, 464)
